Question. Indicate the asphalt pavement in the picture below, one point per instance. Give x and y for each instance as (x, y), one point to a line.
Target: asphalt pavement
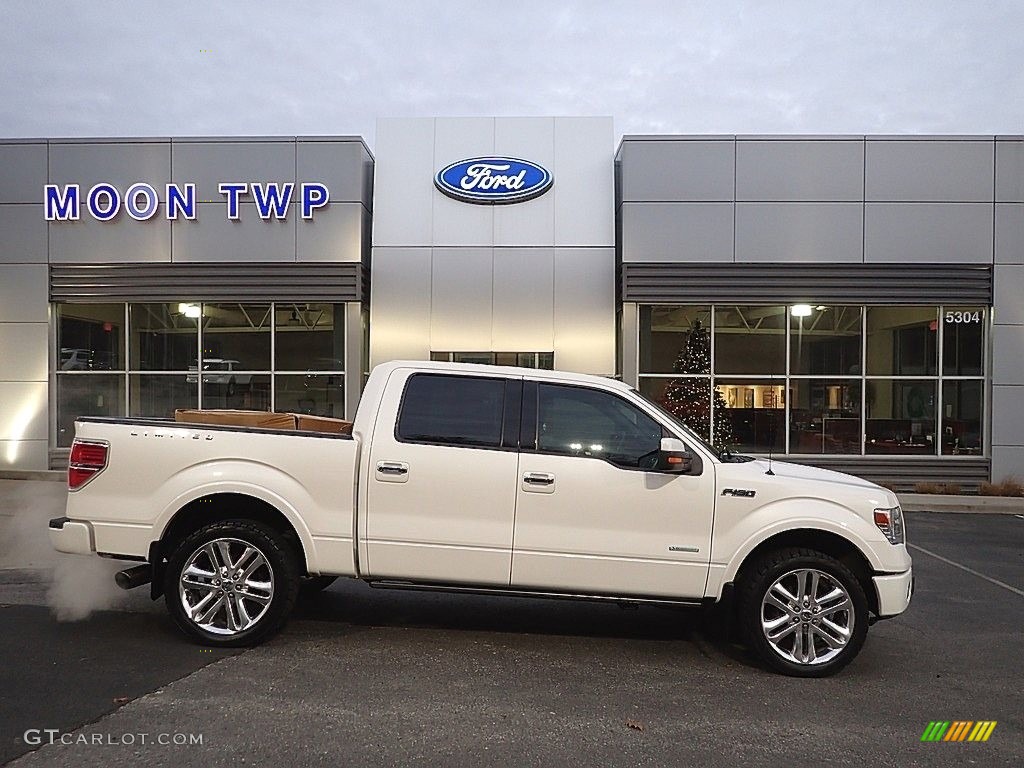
(368, 677)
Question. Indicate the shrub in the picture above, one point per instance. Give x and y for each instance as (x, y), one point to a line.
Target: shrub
(951, 489)
(928, 488)
(1009, 486)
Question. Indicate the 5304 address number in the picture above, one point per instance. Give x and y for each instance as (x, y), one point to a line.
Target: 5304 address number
(963, 317)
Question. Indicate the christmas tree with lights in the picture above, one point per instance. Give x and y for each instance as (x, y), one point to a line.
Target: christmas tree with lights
(688, 399)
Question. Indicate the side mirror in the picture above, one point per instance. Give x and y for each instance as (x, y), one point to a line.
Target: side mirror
(674, 457)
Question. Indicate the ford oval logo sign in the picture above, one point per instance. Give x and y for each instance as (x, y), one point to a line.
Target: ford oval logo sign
(493, 180)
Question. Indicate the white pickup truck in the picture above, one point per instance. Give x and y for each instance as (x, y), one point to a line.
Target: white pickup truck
(489, 480)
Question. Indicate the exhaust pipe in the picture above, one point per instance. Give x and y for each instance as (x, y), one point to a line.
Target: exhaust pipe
(130, 578)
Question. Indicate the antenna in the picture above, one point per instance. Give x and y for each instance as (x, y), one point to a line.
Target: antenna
(772, 430)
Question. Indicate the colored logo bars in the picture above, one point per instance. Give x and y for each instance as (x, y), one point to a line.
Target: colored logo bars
(958, 730)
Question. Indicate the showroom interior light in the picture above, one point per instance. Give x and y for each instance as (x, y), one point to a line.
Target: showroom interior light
(801, 310)
(190, 310)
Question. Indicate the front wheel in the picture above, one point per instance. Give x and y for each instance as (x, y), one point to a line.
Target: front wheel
(803, 612)
(231, 583)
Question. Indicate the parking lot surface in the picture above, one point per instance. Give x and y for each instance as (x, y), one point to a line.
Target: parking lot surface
(368, 677)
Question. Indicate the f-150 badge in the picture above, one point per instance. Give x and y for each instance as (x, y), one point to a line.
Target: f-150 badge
(743, 492)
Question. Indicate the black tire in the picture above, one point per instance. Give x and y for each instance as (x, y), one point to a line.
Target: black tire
(752, 587)
(279, 564)
(312, 585)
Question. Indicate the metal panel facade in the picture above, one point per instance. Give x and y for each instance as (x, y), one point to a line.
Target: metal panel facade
(905, 220)
(800, 170)
(138, 257)
(444, 276)
(813, 232)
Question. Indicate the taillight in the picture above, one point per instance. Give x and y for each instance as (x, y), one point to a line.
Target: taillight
(88, 459)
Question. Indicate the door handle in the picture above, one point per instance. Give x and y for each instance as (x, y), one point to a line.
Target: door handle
(392, 467)
(539, 478)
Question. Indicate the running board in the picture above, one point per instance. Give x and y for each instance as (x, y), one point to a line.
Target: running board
(499, 591)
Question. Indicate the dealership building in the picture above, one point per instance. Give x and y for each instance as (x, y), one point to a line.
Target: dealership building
(855, 302)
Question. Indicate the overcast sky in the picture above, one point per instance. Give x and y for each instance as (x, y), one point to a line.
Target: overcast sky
(253, 68)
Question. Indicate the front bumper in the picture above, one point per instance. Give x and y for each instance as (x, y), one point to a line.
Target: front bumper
(894, 591)
(71, 536)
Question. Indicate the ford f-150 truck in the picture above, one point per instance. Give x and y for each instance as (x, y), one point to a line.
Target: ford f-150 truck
(490, 480)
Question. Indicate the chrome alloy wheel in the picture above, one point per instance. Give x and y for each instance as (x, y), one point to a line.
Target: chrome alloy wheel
(226, 586)
(807, 617)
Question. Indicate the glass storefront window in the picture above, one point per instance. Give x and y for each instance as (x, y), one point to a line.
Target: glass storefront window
(961, 417)
(900, 416)
(670, 338)
(825, 416)
(163, 336)
(750, 340)
(688, 398)
(159, 395)
(310, 337)
(316, 395)
(161, 346)
(236, 336)
(902, 341)
(225, 388)
(963, 346)
(824, 341)
(806, 363)
(750, 415)
(99, 394)
(90, 337)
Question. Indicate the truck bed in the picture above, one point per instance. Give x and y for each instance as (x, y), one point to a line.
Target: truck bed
(156, 467)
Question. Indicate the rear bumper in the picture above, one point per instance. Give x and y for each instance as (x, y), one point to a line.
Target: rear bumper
(894, 591)
(71, 536)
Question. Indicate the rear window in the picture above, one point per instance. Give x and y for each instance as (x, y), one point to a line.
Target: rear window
(452, 410)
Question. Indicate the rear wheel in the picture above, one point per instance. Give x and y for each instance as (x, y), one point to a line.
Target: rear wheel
(231, 583)
(803, 612)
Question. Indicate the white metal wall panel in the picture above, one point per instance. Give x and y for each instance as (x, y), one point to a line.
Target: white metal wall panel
(784, 170)
(334, 234)
(455, 222)
(813, 232)
(400, 305)
(460, 299)
(122, 240)
(927, 233)
(690, 170)
(219, 239)
(584, 315)
(695, 232)
(1009, 233)
(23, 293)
(23, 351)
(119, 163)
(585, 185)
(1010, 171)
(23, 409)
(531, 222)
(522, 319)
(24, 233)
(24, 172)
(209, 163)
(404, 182)
(920, 170)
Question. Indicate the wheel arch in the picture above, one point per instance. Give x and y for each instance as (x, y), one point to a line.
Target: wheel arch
(828, 542)
(215, 506)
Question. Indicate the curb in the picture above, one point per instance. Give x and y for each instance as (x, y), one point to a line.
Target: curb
(964, 505)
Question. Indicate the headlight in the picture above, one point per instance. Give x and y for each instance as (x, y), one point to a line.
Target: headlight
(890, 522)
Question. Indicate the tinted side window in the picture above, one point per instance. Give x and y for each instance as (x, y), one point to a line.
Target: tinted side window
(457, 410)
(587, 422)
